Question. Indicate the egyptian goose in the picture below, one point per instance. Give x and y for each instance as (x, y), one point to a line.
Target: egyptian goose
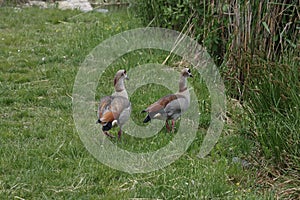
(115, 109)
(171, 107)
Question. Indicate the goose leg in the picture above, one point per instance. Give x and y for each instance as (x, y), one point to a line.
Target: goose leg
(109, 135)
(167, 126)
(173, 125)
(119, 134)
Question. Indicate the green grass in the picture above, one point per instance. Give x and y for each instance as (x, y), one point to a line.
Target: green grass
(42, 156)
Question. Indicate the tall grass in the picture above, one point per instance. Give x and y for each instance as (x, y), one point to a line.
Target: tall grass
(260, 31)
(274, 100)
(238, 34)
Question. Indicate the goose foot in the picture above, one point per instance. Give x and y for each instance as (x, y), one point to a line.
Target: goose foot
(173, 126)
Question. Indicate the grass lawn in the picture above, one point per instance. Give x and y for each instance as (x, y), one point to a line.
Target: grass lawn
(42, 156)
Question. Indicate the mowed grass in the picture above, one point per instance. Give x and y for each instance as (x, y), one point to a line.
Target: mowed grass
(42, 156)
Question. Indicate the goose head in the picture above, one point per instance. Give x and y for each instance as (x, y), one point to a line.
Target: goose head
(186, 72)
(120, 76)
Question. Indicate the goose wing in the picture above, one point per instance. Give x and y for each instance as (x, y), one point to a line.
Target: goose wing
(161, 103)
(112, 107)
(104, 106)
(175, 107)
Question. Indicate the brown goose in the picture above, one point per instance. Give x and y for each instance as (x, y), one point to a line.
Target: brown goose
(171, 107)
(115, 109)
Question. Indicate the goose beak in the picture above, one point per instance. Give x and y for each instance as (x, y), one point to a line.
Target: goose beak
(126, 77)
(189, 72)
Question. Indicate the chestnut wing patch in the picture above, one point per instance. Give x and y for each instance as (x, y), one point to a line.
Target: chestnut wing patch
(108, 117)
(111, 107)
(104, 105)
(161, 103)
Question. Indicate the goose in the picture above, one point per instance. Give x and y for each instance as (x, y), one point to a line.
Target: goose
(115, 109)
(171, 107)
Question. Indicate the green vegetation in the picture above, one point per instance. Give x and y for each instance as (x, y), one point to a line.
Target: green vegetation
(256, 46)
(42, 156)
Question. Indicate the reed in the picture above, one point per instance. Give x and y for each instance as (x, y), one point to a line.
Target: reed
(238, 34)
